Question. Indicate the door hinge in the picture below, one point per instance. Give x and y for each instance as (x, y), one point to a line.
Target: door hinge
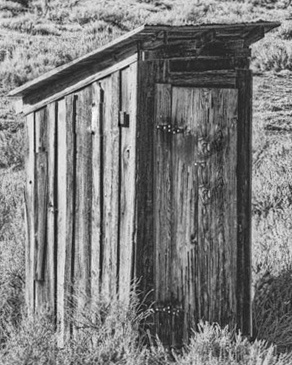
(170, 129)
(124, 120)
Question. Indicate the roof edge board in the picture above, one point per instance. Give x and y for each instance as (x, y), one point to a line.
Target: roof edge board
(128, 39)
(29, 108)
(54, 72)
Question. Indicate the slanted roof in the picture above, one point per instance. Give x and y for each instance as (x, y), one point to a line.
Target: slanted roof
(81, 71)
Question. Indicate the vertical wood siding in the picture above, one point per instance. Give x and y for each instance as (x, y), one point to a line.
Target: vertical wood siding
(195, 207)
(110, 184)
(40, 204)
(80, 209)
(50, 262)
(83, 196)
(244, 163)
(96, 211)
(30, 208)
(127, 182)
(61, 216)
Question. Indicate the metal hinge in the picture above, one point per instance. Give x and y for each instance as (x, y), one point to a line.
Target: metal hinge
(170, 129)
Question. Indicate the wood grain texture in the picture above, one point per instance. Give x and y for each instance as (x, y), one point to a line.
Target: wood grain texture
(82, 250)
(163, 195)
(148, 74)
(244, 200)
(185, 202)
(96, 219)
(77, 75)
(70, 130)
(196, 202)
(42, 181)
(61, 222)
(41, 176)
(224, 79)
(30, 209)
(28, 108)
(51, 272)
(111, 140)
(127, 182)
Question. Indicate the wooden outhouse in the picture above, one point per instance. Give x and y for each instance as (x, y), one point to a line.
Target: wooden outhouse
(139, 166)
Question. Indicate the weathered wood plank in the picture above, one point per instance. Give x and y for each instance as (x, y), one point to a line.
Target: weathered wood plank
(217, 205)
(70, 130)
(204, 79)
(244, 200)
(62, 211)
(163, 211)
(185, 202)
(28, 107)
(230, 119)
(148, 74)
(96, 225)
(40, 207)
(127, 181)
(30, 209)
(50, 274)
(111, 143)
(202, 64)
(163, 195)
(82, 265)
(144, 197)
(78, 75)
(42, 177)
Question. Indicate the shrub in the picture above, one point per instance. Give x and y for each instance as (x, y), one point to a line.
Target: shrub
(272, 308)
(15, 7)
(31, 342)
(270, 54)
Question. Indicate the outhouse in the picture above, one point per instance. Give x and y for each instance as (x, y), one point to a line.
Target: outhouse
(139, 167)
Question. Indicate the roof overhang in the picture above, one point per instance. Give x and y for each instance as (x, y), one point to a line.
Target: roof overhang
(144, 37)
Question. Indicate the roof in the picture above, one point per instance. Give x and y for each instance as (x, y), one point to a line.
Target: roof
(147, 36)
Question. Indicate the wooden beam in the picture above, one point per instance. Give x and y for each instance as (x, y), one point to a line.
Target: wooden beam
(29, 108)
(225, 78)
(244, 163)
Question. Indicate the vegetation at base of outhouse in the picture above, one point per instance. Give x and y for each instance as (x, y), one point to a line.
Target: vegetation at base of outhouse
(34, 38)
(111, 334)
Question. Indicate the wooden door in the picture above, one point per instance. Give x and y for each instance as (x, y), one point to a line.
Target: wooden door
(195, 212)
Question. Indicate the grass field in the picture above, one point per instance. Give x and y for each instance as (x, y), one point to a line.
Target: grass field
(35, 38)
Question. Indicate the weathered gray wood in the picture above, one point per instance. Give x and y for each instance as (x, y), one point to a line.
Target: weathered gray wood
(62, 212)
(96, 226)
(82, 251)
(152, 37)
(185, 202)
(244, 200)
(41, 175)
(196, 212)
(204, 79)
(70, 123)
(50, 273)
(111, 140)
(28, 108)
(42, 181)
(163, 195)
(144, 181)
(127, 182)
(30, 208)
(78, 75)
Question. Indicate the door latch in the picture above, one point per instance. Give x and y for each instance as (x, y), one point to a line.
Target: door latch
(124, 120)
